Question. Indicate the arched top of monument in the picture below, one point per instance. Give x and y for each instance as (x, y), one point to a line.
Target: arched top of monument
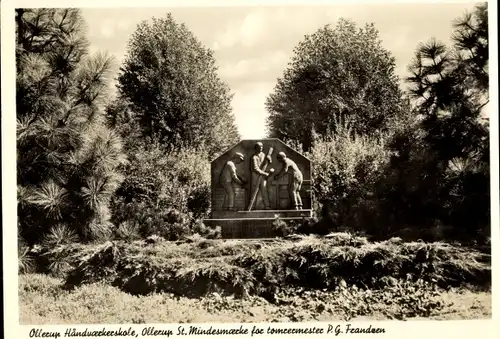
(247, 145)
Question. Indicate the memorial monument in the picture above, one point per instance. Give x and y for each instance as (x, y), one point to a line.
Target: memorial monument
(255, 182)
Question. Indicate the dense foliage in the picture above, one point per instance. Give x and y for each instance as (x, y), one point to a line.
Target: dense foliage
(171, 82)
(340, 275)
(175, 115)
(439, 173)
(383, 165)
(427, 172)
(265, 268)
(163, 193)
(67, 159)
(346, 167)
(338, 73)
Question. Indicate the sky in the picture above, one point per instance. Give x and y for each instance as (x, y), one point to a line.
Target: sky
(253, 45)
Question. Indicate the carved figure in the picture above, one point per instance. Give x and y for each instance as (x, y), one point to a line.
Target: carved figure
(296, 178)
(259, 162)
(229, 179)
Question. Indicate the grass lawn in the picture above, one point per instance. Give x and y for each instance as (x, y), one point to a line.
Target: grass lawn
(43, 301)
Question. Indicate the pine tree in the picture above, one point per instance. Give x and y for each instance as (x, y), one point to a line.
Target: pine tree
(450, 88)
(440, 169)
(68, 160)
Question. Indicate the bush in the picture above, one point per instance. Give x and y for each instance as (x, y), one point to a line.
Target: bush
(127, 231)
(164, 192)
(207, 232)
(283, 228)
(168, 223)
(58, 260)
(25, 261)
(59, 235)
(346, 167)
(263, 269)
(422, 195)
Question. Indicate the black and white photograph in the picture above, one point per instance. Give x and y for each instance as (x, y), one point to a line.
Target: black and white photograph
(326, 164)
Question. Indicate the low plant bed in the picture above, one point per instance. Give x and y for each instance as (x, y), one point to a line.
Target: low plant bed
(197, 267)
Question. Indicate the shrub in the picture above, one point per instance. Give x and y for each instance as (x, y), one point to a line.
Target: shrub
(241, 267)
(206, 231)
(59, 235)
(43, 301)
(127, 231)
(346, 167)
(282, 228)
(164, 192)
(25, 261)
(168, 223)
(58, 260)
(422, 195)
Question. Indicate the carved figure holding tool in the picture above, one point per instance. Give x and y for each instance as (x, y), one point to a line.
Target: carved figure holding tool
(296, 178)
(259, 163)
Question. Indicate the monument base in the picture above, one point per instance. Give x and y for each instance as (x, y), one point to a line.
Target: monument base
(253, 224)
